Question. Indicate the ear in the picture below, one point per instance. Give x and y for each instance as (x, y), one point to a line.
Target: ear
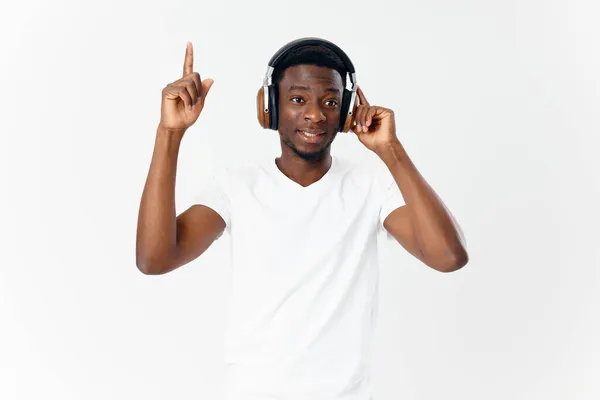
(263, 117)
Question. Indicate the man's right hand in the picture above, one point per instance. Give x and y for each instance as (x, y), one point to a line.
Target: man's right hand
(183, 100)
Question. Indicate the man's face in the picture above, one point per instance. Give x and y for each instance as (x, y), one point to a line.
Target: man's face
(310, 100)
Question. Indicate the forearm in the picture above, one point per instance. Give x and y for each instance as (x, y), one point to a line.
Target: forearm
(435, 230)
(157, 226)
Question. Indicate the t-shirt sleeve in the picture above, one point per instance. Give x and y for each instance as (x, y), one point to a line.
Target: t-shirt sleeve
(391, 199)
(212, 192)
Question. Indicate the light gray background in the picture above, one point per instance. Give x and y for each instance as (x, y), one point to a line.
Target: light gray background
(497, 102)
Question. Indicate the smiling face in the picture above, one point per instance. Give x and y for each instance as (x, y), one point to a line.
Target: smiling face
(310, 100)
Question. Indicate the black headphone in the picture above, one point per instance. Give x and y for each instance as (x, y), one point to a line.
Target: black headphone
(266, 100)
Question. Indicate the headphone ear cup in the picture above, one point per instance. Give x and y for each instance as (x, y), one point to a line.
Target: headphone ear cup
(346, 121)
(263, 117)
(273, 111)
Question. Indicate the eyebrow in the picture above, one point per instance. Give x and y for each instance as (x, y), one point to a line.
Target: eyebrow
(296, 87)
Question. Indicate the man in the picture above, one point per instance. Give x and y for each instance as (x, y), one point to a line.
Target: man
(303, 230)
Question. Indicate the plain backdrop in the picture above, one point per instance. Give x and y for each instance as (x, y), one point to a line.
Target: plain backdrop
(497, 103)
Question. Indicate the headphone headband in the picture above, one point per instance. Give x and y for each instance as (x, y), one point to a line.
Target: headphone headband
(311, 41)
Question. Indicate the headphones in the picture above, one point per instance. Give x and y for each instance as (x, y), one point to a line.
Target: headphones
(266, 100)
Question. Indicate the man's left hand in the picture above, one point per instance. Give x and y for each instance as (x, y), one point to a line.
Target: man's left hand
(375, 126)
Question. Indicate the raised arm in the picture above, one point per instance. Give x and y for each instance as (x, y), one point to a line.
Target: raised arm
(423, 226)
(165, 241)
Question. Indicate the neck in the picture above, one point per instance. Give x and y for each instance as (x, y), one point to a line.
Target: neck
(302, 171)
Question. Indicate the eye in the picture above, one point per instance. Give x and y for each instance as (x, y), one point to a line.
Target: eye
(299, 99)
(329, 102)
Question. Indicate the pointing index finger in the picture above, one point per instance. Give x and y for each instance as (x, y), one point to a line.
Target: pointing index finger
(188, 63)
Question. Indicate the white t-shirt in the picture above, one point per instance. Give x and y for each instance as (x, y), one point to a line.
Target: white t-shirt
(303, 304)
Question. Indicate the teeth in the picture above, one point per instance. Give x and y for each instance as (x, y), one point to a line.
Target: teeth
(311, 134)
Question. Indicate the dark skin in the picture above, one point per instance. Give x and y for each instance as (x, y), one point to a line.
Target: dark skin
(310, 99)
(424, 226)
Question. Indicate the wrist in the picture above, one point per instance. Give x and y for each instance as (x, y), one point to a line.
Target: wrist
(168, 138)
(390, 152)
(175, 133)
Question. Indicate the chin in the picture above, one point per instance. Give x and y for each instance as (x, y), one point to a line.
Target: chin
(306, 153)
(312, 156)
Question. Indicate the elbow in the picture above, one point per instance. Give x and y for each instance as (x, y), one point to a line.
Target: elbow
(149, 265)
(146, 267)
(452, 262)
(458, 260)
(153, 257)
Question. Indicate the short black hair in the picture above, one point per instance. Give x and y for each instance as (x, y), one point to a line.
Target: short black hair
(320, 56)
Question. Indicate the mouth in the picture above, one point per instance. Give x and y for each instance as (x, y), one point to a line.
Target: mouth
(312, 136)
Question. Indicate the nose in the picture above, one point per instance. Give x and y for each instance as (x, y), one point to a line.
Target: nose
(313, 113)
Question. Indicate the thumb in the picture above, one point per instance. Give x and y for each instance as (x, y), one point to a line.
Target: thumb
(206, 85)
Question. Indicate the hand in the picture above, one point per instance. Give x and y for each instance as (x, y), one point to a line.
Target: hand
(183, 100)
(375, 126)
